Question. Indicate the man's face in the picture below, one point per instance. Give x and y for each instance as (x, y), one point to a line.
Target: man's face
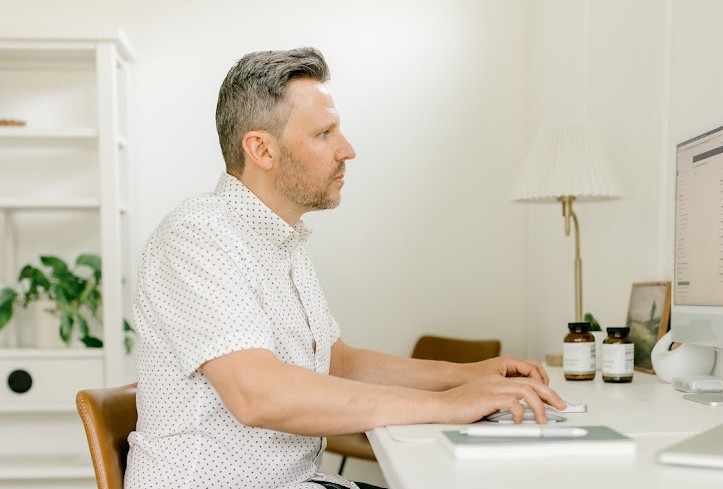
(311, 166)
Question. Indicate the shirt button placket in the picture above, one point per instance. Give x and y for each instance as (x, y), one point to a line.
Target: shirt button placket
(303, 291)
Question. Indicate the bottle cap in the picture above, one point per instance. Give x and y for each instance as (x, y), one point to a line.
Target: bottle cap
(580, 327)
(623, 330)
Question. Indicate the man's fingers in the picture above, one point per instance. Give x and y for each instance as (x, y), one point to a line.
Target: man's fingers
(541, 372)
(528, 368)
(517, 410)
(490, 393)
(537, 406)
(535, 394)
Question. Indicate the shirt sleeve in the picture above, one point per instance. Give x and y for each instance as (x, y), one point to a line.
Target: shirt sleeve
(334, 330)
(207, 301)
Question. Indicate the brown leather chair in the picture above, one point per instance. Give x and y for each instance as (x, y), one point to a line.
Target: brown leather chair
(455, 350)
(109, 415)
(428, 347)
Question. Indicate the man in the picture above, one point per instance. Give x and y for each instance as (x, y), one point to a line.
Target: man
(242, 368)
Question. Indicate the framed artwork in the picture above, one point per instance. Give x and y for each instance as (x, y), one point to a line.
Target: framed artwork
(648, 319)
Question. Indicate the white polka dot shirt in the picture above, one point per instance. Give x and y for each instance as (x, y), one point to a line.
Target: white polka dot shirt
(222, 273)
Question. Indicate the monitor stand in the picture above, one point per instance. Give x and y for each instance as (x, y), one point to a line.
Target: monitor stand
(711, 383)
(708, 398)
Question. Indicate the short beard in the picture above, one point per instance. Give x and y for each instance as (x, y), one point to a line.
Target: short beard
(296, 185)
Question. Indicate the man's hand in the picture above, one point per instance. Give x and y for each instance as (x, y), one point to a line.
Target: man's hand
(506, 380)
(489, 393)
(507, 366)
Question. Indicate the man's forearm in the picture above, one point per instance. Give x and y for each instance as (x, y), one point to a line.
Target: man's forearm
(380, 368)
(264, 392)
(261, 391)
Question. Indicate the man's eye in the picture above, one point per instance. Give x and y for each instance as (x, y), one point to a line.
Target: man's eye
(323, 134)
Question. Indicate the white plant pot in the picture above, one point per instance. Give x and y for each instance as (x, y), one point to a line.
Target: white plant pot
(8, 335)
(38, 327)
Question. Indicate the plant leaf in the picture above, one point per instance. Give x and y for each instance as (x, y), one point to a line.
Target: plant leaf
(594, 324)
(7, 298)
(66, 327)
(57, 265)
(128, 338)
(93, 300)
(92, 342)
(128, 343)
(128, 327)
(6, 312)
(36, 280)
(7, 294)
(72, 284)
(62, 297)
(93, 262)
(82, 325)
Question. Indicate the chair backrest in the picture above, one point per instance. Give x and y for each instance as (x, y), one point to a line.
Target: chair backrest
(455, 350)
(109, 415)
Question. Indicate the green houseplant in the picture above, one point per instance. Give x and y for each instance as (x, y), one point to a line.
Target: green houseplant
(75, 295)
(594, 324)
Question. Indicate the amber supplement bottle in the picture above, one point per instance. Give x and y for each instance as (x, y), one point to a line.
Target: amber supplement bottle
(578, 353)
(617, 356)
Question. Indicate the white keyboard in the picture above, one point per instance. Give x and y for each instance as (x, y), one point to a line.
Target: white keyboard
(573, 405)
(553, 415)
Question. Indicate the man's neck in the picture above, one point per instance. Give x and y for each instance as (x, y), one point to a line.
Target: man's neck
(266, 193)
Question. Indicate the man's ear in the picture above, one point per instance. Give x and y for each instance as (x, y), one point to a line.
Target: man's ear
(259, 149)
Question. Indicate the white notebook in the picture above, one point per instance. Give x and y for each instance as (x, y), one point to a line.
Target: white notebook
(702, 450)
(597, 440)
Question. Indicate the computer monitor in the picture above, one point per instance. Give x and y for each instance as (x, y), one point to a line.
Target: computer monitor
(697, 305)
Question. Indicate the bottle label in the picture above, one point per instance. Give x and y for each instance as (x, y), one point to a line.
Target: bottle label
(617, 359)
(578, 358)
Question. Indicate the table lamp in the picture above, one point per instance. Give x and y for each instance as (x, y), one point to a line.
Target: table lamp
(563, 165)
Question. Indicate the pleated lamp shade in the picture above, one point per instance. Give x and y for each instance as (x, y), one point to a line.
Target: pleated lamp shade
(565, 160)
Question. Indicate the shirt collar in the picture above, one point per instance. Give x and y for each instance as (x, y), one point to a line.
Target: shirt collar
(259, 216)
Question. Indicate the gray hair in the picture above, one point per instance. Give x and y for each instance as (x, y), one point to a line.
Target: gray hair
(252, 96)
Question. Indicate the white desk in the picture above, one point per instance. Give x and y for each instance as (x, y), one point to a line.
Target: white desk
(648, 410)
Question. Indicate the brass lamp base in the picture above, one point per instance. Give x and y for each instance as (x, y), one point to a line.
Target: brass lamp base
(569, 214)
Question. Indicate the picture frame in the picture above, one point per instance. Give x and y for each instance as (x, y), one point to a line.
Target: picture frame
(648, 319)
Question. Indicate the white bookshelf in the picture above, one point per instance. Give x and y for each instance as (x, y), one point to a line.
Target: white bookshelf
(45, 468)
(70, 135)
(62, 192)
(19, 204)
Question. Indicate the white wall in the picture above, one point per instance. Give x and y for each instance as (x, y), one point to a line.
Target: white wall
(440, 99)
(425, 97)
(696, 97)
(433, 96)
(603, 61)
(646, 74)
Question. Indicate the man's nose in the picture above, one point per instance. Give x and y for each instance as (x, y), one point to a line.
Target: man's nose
(347, 152)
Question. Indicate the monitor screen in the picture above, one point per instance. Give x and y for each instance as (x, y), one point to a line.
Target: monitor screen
(697, 305)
